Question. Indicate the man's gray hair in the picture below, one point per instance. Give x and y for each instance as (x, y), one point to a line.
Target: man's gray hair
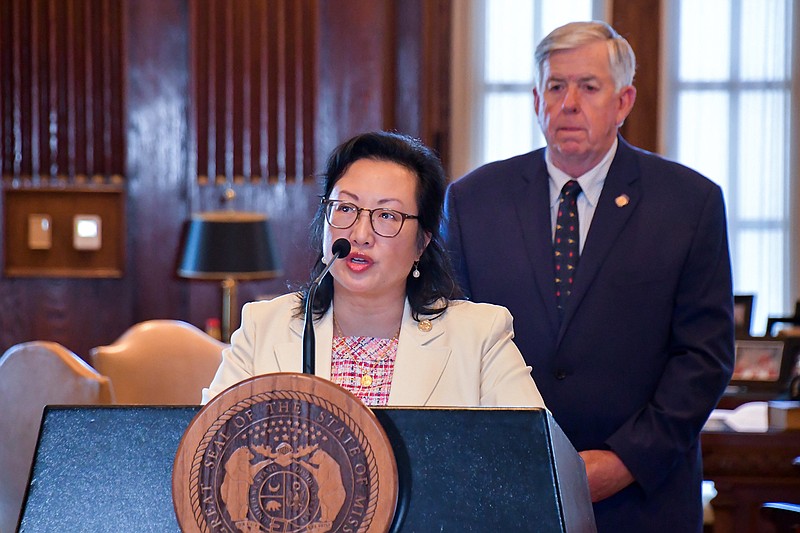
(621, 58)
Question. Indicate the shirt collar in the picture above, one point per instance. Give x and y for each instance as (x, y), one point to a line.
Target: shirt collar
(591, 182)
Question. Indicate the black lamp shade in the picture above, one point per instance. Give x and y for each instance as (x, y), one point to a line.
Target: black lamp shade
(229, 244)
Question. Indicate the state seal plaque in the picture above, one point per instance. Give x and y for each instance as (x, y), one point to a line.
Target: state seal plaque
(288, 453)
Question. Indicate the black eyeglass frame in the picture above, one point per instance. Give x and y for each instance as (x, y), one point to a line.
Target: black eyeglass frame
(327, 202)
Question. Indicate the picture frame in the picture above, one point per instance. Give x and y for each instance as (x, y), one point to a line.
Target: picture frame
(757, 360)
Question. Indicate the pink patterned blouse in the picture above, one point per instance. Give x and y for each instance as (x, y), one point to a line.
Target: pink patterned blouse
(364, 366)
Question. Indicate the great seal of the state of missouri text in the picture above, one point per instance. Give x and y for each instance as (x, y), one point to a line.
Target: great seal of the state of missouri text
(288, 453)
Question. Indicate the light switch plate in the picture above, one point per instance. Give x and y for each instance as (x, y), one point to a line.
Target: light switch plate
(40, 231)
(87, 232)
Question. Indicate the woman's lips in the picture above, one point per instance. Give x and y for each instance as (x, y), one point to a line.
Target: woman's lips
(358, 262)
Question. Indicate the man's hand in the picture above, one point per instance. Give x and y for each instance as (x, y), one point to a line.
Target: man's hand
(607, 474)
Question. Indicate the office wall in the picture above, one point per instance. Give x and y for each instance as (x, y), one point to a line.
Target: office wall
(640, 23)
(364, 64)
(373, 65)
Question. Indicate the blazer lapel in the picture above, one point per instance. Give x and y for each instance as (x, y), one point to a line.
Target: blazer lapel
(532, 204)
(621, 194)
(419, 363)
(290, 354)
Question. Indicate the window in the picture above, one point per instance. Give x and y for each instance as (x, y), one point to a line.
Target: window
(727, 115)
(493, 75)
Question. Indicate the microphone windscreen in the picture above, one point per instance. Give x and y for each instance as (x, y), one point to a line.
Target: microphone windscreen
(341, 248)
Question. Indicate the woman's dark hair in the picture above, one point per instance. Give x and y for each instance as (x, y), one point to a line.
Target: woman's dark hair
(430, 292)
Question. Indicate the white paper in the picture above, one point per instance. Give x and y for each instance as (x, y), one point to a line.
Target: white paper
(750, 417)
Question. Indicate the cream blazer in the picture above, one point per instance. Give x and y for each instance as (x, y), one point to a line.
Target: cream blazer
(466, 359)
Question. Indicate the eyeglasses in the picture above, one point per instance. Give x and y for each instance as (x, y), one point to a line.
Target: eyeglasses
(385, 222)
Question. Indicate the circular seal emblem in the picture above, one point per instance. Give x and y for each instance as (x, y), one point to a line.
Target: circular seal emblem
(288, 453)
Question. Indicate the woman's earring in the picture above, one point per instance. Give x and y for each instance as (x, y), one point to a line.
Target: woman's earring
(415, 272)
(324, 260)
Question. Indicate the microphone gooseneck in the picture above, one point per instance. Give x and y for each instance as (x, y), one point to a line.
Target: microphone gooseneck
(340, 249)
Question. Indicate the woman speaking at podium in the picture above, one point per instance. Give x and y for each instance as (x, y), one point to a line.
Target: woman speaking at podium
(387, 325)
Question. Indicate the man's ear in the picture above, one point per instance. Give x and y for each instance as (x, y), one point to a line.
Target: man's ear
(626, 99)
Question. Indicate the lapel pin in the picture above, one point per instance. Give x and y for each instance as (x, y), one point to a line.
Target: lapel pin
(425, 326)
(622, 200)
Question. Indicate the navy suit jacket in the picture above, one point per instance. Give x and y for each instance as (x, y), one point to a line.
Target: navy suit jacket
(645, 348)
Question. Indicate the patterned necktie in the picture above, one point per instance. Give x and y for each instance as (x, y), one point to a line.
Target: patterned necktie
(565, 244)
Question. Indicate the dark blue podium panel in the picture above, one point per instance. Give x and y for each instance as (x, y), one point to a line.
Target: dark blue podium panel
(485, 470)
(103, 469)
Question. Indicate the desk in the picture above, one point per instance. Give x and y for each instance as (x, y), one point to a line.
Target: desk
(749, 469)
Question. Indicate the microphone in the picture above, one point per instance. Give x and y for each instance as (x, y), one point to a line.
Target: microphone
(340, 249)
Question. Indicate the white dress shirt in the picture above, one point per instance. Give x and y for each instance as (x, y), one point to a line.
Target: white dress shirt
(591, 186)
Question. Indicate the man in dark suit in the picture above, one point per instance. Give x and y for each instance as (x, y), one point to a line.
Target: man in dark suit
(625, 310)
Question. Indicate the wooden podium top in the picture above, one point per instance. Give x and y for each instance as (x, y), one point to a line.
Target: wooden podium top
(292, 453)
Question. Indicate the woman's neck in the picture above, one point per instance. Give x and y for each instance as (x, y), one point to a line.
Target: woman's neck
(367, 317)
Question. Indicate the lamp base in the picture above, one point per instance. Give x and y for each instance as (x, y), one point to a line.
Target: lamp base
(230, 311)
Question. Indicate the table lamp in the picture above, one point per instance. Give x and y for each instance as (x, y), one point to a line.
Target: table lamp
(228, 246)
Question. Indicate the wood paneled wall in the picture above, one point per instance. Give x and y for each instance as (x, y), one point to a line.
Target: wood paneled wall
(251, 94)
(640, 23)
(253, 66)
(422, 82)
(62, 84)
(61, 126)
(192, 99)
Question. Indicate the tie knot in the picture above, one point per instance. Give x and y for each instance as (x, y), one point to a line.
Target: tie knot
(571, 188)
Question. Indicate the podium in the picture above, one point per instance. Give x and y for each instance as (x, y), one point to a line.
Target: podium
(109, 469)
